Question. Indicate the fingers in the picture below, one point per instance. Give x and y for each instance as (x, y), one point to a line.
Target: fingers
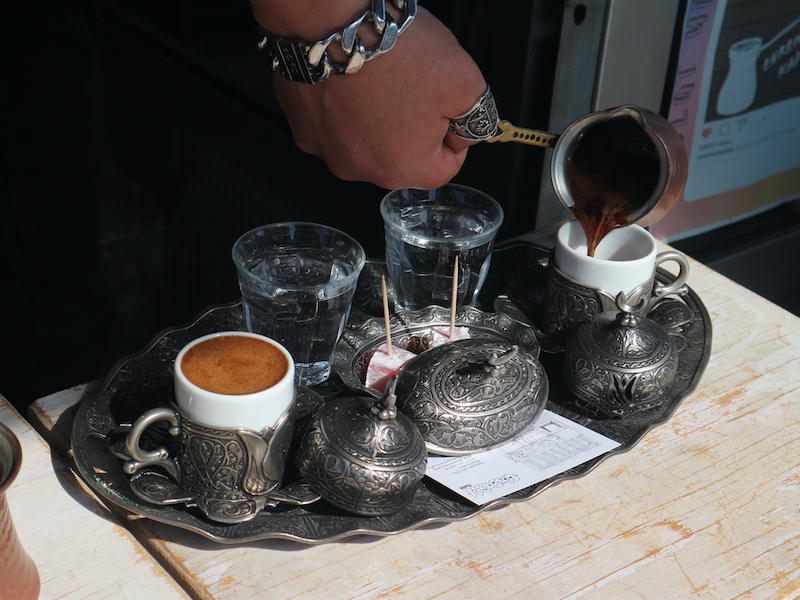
(424, 177)
(388, 124)
(397, 169)
(429, 173)
(450, 164)
(457, 144)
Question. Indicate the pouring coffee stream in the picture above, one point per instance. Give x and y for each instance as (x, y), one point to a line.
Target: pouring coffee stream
(609, 169)
(612, 174)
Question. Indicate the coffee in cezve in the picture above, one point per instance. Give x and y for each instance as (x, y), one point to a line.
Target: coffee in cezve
(614, 171)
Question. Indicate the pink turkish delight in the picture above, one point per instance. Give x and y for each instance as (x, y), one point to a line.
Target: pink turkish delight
(441, 335)
(382, 368)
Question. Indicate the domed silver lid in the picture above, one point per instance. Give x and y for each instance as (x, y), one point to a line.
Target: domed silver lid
(620, 362)
(362, 455)
(471, 395)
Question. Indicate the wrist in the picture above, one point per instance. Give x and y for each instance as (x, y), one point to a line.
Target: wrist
(368, 35)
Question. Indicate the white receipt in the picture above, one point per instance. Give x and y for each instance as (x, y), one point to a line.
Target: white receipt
(554, 444)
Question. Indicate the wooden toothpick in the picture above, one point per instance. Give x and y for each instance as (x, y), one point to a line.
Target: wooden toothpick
(453, 299)
(386, 317)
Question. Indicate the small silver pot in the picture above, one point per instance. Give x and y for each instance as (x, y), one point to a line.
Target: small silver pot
(363, 456)
(411, 331)
(620, 362)
(650, 137)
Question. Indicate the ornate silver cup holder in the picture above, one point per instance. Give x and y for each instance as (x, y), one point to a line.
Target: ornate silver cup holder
(141, 382)
(162, 486)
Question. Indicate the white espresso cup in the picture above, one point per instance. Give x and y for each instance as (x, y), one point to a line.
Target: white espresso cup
(580, 286)
(209, 402)
(234, 422)
(625, 260)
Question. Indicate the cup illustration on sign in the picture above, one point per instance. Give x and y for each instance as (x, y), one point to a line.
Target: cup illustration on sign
(741, 84)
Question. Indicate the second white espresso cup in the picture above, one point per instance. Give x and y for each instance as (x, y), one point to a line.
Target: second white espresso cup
(625, 261)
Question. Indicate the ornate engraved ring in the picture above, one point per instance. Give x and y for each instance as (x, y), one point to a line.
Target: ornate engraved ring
(480, 122)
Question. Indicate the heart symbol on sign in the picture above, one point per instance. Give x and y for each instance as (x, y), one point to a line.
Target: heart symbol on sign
(707, 132)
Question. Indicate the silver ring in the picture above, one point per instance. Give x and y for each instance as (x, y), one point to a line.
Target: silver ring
(480, 122)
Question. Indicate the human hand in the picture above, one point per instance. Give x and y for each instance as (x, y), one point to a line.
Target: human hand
(388, 123)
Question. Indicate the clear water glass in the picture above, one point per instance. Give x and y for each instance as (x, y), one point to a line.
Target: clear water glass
(298, 282)
(425, 230)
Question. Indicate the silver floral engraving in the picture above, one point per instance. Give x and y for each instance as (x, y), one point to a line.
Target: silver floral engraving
(410, 330)
(568, 304)
(461, 406)
(621, 369)
(144, 381)
(480, 122)
(227, 473)
(363, 464)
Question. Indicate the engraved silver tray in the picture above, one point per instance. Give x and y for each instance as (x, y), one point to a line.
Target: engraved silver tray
(144, 381)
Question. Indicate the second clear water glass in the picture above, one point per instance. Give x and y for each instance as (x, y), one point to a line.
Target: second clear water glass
(425, 230)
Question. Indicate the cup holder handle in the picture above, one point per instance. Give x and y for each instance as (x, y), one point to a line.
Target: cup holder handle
(158, 457)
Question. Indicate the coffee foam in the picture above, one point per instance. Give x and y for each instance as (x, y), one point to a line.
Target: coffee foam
(234, 365)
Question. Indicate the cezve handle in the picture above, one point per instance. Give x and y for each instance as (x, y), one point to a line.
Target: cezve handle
(481, 123)
(532, 137)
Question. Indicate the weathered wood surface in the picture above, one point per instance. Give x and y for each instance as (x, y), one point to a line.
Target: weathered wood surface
(79, 551)
(706, 506)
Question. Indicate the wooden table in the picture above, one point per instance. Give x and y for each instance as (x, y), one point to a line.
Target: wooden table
(79, 550)
(706, 506)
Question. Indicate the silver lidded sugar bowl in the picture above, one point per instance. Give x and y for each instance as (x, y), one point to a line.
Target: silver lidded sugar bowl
(472, 395)
(362, 455)
(620, 362)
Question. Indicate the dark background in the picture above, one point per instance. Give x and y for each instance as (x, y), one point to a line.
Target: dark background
(140, 138)
(191, 117)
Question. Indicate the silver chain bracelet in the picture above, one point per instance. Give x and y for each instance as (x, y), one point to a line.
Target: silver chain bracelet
(309, 62)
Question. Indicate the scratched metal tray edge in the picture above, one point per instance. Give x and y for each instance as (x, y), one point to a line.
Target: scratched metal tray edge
(351, 525)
